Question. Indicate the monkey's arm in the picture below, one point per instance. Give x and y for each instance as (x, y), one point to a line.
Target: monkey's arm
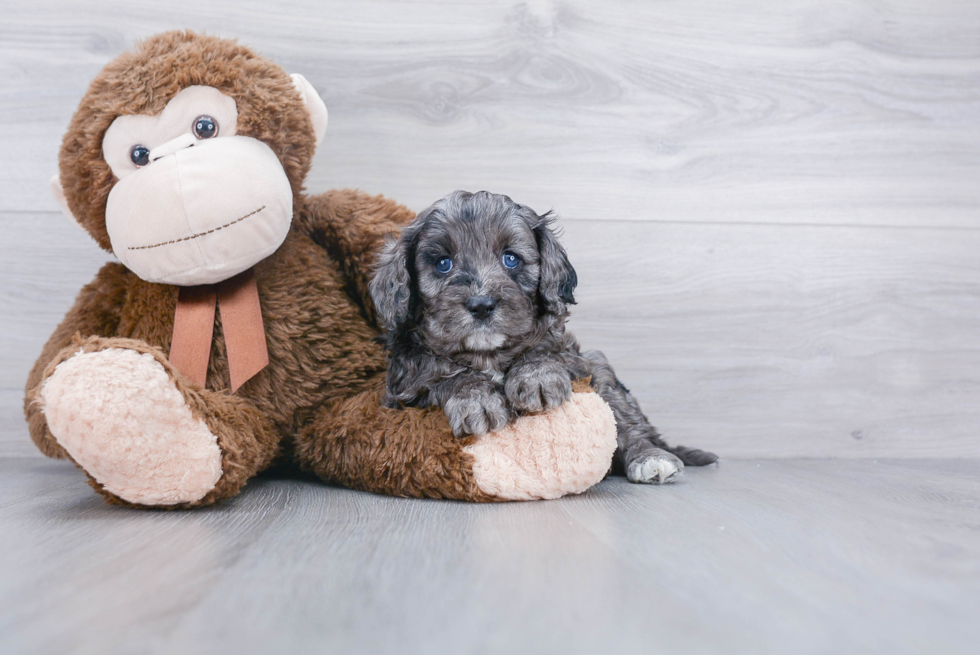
(96, 312)
(358, 443)
(351, 226)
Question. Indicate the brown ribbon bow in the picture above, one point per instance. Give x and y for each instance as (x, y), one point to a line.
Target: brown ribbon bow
(241, 322)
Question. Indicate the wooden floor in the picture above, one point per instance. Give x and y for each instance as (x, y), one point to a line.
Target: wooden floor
(792, 556)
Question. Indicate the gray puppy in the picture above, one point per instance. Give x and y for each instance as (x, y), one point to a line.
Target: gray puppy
(473, 297)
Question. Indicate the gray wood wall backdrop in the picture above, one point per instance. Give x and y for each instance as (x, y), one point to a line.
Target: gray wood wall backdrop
(773, 207)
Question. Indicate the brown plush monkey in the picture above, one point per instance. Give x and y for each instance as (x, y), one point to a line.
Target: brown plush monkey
(186, 159)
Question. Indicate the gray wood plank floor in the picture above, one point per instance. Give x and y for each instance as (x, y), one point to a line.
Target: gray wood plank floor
(792, 556)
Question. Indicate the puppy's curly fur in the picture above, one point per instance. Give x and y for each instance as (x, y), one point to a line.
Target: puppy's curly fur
(474, 296)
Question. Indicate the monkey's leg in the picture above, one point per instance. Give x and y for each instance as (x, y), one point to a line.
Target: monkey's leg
(642, 453)
(144, 434)
(412, 452)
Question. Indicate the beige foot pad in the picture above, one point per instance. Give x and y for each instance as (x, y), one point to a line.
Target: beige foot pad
(121, 418)
(564, 451)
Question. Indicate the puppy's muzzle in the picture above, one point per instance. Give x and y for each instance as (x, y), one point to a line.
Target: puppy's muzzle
(481, 307)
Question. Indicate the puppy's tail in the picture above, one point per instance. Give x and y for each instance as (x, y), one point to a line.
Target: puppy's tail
(692, 456)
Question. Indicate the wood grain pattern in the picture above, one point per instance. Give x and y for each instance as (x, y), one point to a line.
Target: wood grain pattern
(789, 341)
(773, 210)
(863, 113)
(773, 557)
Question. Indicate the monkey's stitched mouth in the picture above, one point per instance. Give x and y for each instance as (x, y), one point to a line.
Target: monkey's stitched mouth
(199, 234)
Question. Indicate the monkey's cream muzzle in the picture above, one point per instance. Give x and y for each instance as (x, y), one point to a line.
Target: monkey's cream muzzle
(197, 205)
(201, 211)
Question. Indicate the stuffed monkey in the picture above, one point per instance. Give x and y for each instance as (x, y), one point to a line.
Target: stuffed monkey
(237, 329)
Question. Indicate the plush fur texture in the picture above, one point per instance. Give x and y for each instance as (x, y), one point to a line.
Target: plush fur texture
(318, 403)
(143, 80)
(474, 295)
(118, 413)
(527, 468)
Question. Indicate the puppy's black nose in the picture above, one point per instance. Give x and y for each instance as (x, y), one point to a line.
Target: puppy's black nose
(481, 306)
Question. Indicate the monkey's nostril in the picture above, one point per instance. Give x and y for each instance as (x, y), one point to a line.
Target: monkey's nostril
(481, 306)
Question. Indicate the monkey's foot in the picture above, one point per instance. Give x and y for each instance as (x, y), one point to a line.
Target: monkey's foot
(564, 451)
(122, 418)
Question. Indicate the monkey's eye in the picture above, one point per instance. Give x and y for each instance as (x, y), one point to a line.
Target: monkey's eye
(444, 265)
(511, 260)
(205, 127)
(140, 156)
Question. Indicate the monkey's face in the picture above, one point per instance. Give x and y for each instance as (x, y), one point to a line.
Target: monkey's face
(186, 155)
(195, 203)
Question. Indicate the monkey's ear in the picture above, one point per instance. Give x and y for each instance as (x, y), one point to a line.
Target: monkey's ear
(314, 105)
(391, 287)
(59, 196)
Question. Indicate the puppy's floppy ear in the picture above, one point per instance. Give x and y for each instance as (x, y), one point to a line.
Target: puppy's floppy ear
(391, 287)
(558, 280)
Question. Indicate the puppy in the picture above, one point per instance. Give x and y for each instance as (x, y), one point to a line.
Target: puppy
(473, 297)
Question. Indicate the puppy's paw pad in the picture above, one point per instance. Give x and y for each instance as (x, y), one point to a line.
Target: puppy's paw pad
(655, 469)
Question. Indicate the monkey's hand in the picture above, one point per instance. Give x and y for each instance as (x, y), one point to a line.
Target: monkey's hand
(476, 406)
(537, 384)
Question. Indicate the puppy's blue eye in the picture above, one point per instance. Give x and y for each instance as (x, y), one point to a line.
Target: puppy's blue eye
(444, 265)
(511, 260)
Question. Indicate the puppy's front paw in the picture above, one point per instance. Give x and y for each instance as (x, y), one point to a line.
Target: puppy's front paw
(476, 409)
(654, 466)
(536, 386)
